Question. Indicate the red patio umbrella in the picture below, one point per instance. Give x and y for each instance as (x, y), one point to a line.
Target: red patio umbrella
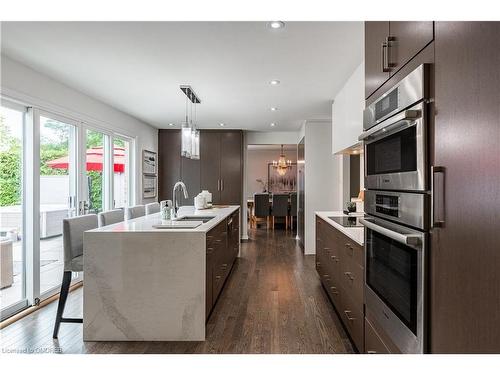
(95, 157)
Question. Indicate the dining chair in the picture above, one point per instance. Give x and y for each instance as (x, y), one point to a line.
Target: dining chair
(261, 208)
(293, 208)
(152, 208)
(110, 217)
(135, 211)
(280, 207)
(73, 229)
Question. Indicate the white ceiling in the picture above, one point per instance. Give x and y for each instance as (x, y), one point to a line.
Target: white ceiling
(137, 67)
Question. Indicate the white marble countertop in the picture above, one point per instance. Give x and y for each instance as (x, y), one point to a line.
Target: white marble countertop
(145, 223)
(356, 234)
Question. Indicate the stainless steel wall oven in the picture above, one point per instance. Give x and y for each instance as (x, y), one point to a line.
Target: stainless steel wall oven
(397, 210)
(395, 140)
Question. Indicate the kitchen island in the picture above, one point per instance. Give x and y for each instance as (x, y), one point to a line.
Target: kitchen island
(148, 284)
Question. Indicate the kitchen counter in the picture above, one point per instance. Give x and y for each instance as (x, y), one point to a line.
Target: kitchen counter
(147, 284)
(356, 234)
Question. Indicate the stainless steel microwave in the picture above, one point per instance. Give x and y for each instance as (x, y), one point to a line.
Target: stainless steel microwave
(395, 140)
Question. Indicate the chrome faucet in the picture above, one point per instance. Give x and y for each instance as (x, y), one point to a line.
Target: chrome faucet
(174, 196)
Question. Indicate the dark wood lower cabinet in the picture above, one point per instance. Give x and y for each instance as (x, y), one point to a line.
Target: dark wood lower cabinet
(222, 249)
(339, 262)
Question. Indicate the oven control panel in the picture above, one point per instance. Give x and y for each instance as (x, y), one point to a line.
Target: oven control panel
(410, 209)
(387, 204)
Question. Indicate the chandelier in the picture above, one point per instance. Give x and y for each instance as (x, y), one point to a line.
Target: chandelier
(282, 165)
(190, 136)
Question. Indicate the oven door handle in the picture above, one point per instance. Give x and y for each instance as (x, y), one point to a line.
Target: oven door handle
(407, 239)
(383, 128)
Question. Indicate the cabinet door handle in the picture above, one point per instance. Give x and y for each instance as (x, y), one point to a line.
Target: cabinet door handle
(371, 352)
(383, 49)
(349, 318)
(221, 184)
(349, 275)
(437, 196)
(334, 290)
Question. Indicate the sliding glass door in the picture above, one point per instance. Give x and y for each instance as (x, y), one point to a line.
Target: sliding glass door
(12, 210)
(58, 195)
(122, 183)
(52, 167)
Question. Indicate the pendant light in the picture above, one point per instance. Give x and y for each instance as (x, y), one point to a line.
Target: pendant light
(190, 140)
(282, 165)
(195, 138)
(186, 138)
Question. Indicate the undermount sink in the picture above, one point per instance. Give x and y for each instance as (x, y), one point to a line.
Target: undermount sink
(204, 219)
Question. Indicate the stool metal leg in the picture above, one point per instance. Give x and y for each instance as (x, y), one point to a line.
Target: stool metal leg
(62, 301)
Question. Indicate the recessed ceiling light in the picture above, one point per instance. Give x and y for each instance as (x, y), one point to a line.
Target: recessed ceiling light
(170, 124)
(276, 24)
(274, 82)
(222, 124)
(272, 124)
(274, 109)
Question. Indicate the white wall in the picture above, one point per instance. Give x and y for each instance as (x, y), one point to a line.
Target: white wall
(33, 88)
(322, 178)
(257, 161)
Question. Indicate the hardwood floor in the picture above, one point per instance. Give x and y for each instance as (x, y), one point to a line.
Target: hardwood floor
(273, 302)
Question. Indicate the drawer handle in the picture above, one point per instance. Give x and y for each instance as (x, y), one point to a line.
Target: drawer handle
(218, 277)
(349, 275)
(326, 276)
(334, 257)
(349, 318)
(371, 352)
(334, 290)
(210, 250)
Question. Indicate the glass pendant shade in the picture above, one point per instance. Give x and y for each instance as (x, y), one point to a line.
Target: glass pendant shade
(195, 144)
(186, 140)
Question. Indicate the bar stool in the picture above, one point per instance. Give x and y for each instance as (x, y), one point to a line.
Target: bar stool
(110, 217)
(73, 229)
(134, 211)
(152, 208)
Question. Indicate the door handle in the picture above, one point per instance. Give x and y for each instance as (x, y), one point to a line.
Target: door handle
(383, 48)
(218, 185)
(221, 184)
(437, 196)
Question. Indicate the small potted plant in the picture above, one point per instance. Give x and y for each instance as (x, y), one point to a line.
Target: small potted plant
(263, 184)
(351, 207)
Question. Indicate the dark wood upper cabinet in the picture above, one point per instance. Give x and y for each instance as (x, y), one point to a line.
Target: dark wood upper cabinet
(376, 33)
(389, 46)
(219, 170)
(406, 40)
(231, 167)
(169, 161)
(190, 175)
(210, 155)
(465, 251)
